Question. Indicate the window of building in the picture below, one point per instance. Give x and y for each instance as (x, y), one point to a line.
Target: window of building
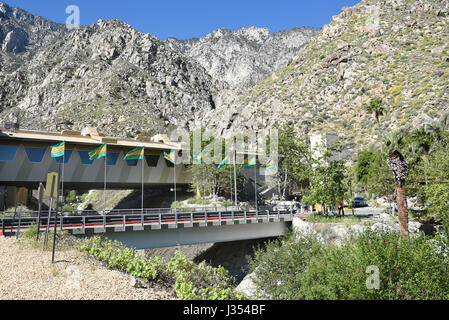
(112, 158)
(8, 153)
(152, 160)
(35, 155)
(66, 158)
(132, 163)
(84, 156)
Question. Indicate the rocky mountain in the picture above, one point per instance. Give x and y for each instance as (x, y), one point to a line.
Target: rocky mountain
(22, 35)
(246, 56)
(109, 76)
(125, 82)
(397, 50)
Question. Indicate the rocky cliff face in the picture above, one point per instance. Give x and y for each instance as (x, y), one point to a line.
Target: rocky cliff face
(22, 35)
(122, 81)
(246, 56)
(109, 76)
(396, 50)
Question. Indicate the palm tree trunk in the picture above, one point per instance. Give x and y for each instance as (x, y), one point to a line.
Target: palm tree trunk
(402, 209)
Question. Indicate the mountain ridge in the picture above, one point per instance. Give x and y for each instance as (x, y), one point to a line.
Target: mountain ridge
(245, 56)
(109, 75)
(394, 50)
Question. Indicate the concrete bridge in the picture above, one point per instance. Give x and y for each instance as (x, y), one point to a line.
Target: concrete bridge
(156, 228)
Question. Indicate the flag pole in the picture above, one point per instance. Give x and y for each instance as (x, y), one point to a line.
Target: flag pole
(174, 167)
(255, 176)
(62, 178)
(104, 189)
(255, 184)
(143, 174)
(234, 153)
(230, 179)
(204, 185)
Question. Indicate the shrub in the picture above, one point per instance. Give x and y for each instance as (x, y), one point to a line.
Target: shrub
(71, 198)
(191, 281)
(198, 201)
(31, 232)
(227, 203)
(305, 268)
(200, 282)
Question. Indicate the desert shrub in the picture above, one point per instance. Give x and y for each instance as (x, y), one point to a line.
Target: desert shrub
(71, 198)
(283, 260)
(200, 282)
(198, 201)
(31, 232)
(409, 268)
(191, 281)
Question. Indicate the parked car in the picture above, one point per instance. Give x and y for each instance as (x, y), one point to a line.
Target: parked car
(359, 202)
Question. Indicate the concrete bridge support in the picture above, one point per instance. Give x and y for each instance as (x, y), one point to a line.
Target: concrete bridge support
(187, 236)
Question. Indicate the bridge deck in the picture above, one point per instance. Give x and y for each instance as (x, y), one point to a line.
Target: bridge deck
(147, 220)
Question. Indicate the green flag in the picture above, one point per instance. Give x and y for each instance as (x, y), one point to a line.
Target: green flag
(268, 164)
(249, 162)
(198, 157)
(226, 160)
(136, 154)
(58, 150)
(170, 156)
(98, 153)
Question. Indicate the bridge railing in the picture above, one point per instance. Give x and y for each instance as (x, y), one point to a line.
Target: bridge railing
(124, 218)
(127, 212)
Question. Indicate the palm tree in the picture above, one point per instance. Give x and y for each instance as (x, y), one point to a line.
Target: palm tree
(376, 106)
(394, 140)
(399, 166)
(438, 128)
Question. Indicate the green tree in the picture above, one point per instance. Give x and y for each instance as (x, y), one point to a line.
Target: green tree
(439, 129)
(376, 107)
(294, 162)
(436, 189)
(372, 171)
(207, 180)
(328, 178)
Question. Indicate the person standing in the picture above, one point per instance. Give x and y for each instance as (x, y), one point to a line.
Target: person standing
(341, 209)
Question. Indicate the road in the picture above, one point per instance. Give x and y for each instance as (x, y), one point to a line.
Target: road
(365, 212)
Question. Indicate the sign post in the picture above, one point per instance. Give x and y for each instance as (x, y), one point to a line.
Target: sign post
(40, 198)
(56, 217)
(51, 191)
(22, 193)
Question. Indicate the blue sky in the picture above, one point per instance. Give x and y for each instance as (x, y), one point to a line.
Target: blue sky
(185, 19)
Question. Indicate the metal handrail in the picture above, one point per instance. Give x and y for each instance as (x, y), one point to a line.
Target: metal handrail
(154, 215)
(133, 212)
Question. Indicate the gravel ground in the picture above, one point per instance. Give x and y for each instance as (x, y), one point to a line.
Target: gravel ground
(28, 274)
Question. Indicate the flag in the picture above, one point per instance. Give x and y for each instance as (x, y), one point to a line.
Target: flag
(198, 157)
(58, 150)
(267, 165)
(226, 160)
(170, 156)
(98, 153)
(249, 162)
(136, 154)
